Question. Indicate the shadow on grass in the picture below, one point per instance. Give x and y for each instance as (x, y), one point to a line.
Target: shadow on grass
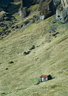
(44, 81)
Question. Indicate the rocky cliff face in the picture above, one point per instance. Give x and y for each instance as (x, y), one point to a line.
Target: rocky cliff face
(62, 11)
(46, 7)
(10, 12)
(60, 7)
(25, 4)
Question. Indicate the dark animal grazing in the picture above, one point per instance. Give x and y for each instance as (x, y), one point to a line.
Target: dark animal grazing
(3, 93)
(26, 53)
(11, 62)
(6, 69)
(33, 47)
(54, 34)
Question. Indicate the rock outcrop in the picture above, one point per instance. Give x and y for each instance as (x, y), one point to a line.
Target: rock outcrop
(22, 10)
(62, 11)
(25, 4)
(47, 8)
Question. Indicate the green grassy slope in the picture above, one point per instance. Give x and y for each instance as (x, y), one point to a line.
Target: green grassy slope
(47, 58)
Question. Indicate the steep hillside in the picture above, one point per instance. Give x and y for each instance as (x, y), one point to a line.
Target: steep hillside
(32, 48)
(19, 73)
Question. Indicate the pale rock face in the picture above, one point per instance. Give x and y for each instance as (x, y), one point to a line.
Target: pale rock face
(62, 11)
(42, 17)
(20, 13)
(23, 12)
(61, 15)
(64, 3)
